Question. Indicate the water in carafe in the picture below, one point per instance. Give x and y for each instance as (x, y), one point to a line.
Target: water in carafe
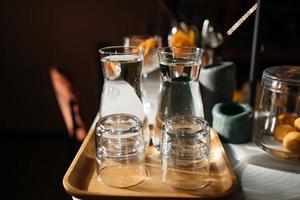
(122, 67)
(180, 90)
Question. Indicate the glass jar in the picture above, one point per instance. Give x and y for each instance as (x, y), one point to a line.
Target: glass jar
(278, 109)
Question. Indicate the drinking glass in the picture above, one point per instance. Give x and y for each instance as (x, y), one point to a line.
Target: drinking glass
(120, 150)
(180, 89)
(185, 152)
(150, 44)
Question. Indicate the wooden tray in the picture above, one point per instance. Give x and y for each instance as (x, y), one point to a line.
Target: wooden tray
(81, 180)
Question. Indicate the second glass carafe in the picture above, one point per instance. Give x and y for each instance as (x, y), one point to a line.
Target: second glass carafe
(180, 90)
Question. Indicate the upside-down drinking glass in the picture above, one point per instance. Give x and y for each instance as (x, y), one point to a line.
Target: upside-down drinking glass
(185, 152)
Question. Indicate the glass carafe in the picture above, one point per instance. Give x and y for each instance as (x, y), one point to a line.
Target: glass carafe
(180, 90)
(121, 94)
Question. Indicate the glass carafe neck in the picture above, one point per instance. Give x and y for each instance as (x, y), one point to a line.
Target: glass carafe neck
(179, 70)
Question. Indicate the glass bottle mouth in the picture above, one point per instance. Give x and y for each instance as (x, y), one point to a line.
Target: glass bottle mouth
(121, 50)
(181, 51)
(180, 63)
(282, 79)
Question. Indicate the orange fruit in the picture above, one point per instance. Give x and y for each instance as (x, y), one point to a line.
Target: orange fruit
(297, 123)
(183, 39)
(292, 141)
(282, 130)
(286, 118)
(149, 45)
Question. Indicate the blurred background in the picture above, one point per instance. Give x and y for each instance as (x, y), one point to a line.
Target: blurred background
(37, 35)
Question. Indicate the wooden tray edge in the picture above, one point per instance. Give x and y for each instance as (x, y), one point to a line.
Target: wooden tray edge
(68, 187)
(87, 195)
(234, 179)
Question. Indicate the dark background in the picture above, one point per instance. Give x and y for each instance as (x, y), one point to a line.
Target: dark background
(37, 34)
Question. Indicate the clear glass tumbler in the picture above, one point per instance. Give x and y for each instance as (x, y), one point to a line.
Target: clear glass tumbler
(185, 152)
(180, 88)
(120, 150)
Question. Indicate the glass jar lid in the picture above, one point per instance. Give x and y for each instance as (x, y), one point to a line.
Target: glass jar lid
(282, 79)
